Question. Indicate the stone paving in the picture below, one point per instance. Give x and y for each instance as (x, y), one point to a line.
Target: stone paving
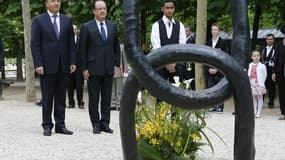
(21, 134)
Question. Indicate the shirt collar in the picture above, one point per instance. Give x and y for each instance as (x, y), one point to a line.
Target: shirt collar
(98, 22)
(166, 20)
(215, 40)
(51, 14)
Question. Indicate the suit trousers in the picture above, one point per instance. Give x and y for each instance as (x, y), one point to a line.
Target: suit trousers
(270, 85)
(281, 92)
(76, 82)
(100, 88)
(211, 81)
(53, 97)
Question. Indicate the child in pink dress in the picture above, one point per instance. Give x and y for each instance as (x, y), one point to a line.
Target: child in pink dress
(257, 75)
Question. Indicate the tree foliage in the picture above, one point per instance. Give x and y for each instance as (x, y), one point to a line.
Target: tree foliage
(11, 23)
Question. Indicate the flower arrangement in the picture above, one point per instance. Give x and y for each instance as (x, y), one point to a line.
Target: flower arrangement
(166, 132)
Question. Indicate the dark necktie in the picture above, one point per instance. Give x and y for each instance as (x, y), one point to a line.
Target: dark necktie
(55, 26)
(103, 32)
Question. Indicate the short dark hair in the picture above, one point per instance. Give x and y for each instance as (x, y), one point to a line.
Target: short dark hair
(93, 6)
(167, 1)
(270, 35)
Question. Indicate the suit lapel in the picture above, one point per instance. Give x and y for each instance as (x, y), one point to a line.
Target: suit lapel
(49, 24)
(109, 29)
(218, 43)
(62, 24)
(98, 30)
(264, 54)
(270, 55)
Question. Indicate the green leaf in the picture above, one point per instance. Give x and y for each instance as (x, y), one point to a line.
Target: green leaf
(147, 151)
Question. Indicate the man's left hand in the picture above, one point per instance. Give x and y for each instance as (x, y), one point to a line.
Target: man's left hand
(72, 68)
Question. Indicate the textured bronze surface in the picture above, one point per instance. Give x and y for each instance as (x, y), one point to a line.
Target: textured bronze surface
(236, 81)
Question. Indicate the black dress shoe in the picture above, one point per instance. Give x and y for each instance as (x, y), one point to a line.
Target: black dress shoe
(107, 129)
(270, 105)
(47, 132)
(71, 106)
(63, 131)
(39, 103)
(96, 130)
(81, 106)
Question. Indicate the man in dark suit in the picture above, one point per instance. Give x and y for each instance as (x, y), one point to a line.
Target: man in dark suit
(189, 67)
(53, 51)
(267, 58)
(190, 37)
(100, 55)
(279, 72)
(76, 80)
(212, 74)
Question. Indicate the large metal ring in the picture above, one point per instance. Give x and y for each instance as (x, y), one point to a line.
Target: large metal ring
(144, 70)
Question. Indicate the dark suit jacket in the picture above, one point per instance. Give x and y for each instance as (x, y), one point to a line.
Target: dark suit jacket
(1, 53)
(222, 45)
(191, 39)
(279, 59)
(47, 50)
(77, 53)
(97, 56)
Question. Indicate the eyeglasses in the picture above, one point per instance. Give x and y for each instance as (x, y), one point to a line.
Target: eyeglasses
(103, 8)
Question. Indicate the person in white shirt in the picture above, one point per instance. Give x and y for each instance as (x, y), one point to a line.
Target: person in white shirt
(166, 31)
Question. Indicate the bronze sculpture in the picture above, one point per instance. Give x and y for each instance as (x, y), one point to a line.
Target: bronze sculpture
(232, 67)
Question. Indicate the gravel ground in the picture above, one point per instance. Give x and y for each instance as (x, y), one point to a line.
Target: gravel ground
(21, 134)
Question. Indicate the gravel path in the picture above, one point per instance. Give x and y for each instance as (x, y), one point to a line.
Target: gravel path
(21, 134)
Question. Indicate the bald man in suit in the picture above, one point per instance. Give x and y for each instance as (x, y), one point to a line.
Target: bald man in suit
(53, 50)
(100, 56)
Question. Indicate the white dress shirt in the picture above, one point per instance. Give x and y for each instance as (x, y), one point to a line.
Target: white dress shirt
(104, 25)
(75, 39)
(155, 36)
(57, 20)
(268, 49)
(215, 41)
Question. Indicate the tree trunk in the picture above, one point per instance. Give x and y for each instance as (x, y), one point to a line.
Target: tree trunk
(29, 67)
(257, 16)
(201, 30)
(19, 72)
